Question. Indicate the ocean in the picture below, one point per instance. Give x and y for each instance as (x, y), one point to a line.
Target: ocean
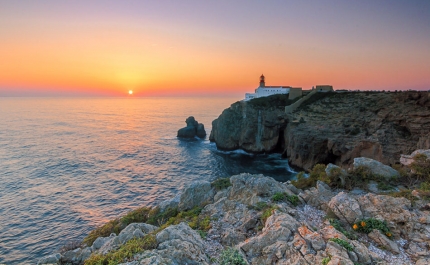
(68, 165)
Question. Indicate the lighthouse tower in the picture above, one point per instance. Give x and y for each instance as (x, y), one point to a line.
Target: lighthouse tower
(262, 83)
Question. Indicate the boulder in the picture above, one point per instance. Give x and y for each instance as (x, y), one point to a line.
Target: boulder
(51, 259)
(329, 170)
(135, 230)
(193, 129)
(408, 159)
(376, 167)
(318, 197)
(196, 193)
(250, 189)
(76, 256)
(383, 241)
(346, 208)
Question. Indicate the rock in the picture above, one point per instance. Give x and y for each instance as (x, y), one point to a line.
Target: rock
(383, 241)
(193, 129)
(196, 193)
(76, 256)
(336, 127)
(313, 238)
(408, 159)
(201, 131)
(170, 203)
(318, 197)
(330, 169)
(346, 208)
(99, 242)
(135, 230)
(51, 259)
(424, 261)
(278, 227)
(395, 211)
(376, 167)
(247, 127)
(250, 189)
(181, 244)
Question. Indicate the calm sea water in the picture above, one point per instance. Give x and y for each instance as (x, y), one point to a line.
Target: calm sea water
(69, 165)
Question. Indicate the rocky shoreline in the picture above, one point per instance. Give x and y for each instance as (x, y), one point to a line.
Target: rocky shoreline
(253, 219)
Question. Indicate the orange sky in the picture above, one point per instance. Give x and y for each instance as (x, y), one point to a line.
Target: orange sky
(162, 49)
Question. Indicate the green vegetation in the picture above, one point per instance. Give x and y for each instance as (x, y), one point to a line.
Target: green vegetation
(283, 196)
(367, 225)
(425, 186)
(267, 213)
(342, 243)
(357, 177)
(230, 256)
(259, 206)
(126, 251)
(338, 226)
(326, 260)
(421, 167)
(170, 216)
(221, 183)
(271, 102)
(153, 216)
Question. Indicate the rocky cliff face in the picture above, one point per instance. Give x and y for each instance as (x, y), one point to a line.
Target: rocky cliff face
(251, 128)
(330, 127)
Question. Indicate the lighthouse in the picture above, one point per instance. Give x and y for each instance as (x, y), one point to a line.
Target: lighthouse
(262, 83)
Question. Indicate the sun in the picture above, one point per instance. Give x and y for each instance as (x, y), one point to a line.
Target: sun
(130, 92)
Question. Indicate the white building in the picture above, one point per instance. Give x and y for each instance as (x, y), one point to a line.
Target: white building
(264, 91)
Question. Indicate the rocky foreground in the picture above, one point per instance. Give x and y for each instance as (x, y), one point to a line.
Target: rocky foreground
(268, 222)
(331, 127)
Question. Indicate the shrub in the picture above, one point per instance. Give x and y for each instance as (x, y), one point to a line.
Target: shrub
(421, 167)
(367, 225)
(425, 186)
(221, 183)
(126, 251)
(279, 196)
(303, 181)
(342, 243)
(317, 173)
(293, 199)
(231, 256)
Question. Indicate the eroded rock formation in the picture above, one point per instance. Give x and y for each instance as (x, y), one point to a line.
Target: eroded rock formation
(192, 129)
(330, 127)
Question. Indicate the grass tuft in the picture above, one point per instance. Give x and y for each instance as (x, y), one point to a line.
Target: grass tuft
(230, 256)
(221, 183)
(342, 243)
(125, 252)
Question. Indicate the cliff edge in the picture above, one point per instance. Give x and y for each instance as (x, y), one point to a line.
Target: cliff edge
(332, 127)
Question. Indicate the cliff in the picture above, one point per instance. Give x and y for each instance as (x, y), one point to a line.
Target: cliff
(331, 127)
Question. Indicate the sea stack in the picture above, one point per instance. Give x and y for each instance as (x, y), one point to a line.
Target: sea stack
(193, 129)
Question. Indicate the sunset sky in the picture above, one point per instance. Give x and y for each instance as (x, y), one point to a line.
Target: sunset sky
(181, 48)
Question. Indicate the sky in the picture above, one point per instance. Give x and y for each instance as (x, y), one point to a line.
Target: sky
(185, 48)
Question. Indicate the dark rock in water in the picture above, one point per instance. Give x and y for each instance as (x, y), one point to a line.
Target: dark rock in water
(193, 128)
(201, 130)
